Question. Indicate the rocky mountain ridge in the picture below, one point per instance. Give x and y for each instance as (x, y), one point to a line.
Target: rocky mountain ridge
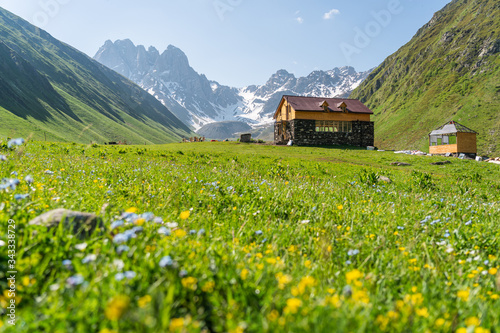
(197, 101)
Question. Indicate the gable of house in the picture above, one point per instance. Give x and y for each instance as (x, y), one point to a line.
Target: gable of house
(320, 108)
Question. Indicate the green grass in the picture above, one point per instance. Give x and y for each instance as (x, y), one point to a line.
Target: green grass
(269, 239)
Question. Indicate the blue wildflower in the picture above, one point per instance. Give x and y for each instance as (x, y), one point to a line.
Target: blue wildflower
(3, 157)
(352, 252)
(201, 232)
(122, 248)
(116, 224)
(29, 179)
(148, 216)
(120, 238)
(89, 258)
(21, 196)
(259, 232)
(75, 280)
(15, 142)
(192, 232)
(183, 273)
(468, 222)
(137, 230)
(130, 274)
(164, 231)
(67, 264)
(9, 182)
(166, 261)
(119, 276)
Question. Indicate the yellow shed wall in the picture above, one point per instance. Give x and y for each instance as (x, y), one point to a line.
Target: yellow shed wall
(443, 149)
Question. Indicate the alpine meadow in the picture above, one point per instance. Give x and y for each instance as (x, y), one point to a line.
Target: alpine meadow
(229, 237)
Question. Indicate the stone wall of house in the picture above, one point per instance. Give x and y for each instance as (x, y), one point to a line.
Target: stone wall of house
(280, 136)
(304, 134)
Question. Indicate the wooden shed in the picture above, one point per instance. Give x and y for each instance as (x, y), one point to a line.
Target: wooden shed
(317, 121)
(453, 138)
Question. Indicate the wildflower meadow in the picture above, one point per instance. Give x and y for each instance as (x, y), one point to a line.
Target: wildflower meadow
(230, 237)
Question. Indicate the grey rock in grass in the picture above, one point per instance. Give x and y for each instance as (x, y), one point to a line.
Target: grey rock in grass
(385, 179)
(441, 163)
(77, 222)
(400, 164)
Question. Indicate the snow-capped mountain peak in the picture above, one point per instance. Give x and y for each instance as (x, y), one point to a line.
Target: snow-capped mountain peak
(197, 101)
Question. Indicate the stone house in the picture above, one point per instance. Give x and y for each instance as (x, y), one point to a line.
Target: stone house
(319, 121)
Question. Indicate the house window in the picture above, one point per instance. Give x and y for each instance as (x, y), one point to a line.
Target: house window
(333, 126)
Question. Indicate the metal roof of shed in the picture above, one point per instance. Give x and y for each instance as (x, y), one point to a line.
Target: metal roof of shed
(452, 127)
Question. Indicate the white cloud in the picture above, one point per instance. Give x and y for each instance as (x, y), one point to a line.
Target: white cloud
(300, 20)
(331, 14)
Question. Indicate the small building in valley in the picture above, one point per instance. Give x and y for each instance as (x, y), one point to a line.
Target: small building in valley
(454, 139)
(318, 121)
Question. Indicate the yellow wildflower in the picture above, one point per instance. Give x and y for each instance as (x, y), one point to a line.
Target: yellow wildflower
(361, 296)
(244, 273)
(140, 222)
(283, 280)
(461, 330)
(472, 321)
(463, 295)
(440, 322)
(208, 287)
(307, 263)
(131, 210)
(481, 330)
(273, 316)
(493, 271)
(292, 305)
(176, 324)
(180, 233)
(116, 307)
(144, 301)
(422, 312)
(189, 283)
(393, 314)
(185, 215)
(353, 275)
(333, 300)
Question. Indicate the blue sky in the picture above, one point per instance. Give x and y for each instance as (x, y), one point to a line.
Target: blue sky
(240, 42)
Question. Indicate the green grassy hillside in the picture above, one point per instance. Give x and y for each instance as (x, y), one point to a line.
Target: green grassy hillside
(50, 90)
(450, 70)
